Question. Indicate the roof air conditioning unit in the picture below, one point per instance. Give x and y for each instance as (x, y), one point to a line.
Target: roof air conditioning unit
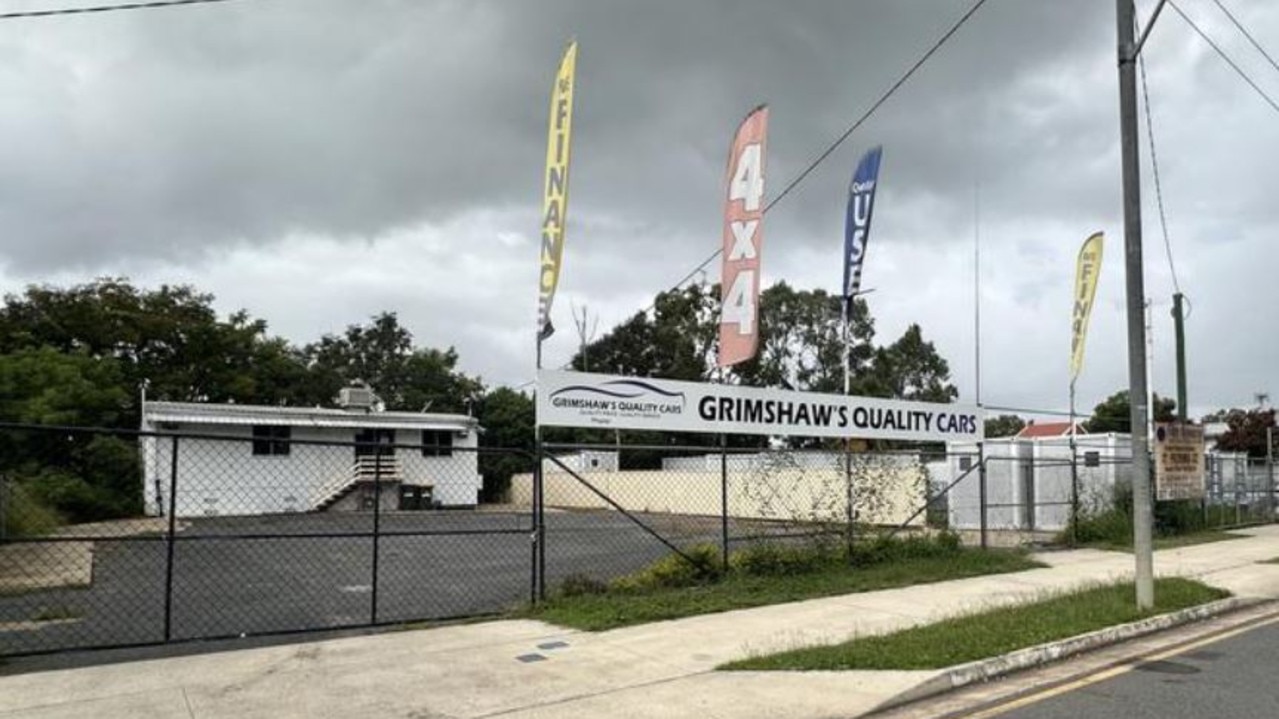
(356, 398)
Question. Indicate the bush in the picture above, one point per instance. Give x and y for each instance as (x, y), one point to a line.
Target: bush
(700, 564)
(1178, 517)
(67, 493)
(1109, 527)
(577, 585)
(778, 560)
(25, 515)
(885, 548)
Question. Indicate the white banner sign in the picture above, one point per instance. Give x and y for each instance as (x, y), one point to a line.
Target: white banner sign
(577, 399)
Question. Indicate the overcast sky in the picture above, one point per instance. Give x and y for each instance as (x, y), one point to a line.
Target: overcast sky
(318, 161)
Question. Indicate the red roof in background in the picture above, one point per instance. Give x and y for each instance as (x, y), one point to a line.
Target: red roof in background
(1049, 429)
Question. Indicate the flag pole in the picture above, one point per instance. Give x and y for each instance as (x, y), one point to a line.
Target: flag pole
(1074, 472)
(554, 220)
(848, 442)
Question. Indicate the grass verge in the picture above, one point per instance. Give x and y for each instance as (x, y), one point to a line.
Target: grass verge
(624, 603)
(990, 633)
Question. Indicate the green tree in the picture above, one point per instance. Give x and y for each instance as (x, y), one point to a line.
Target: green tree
(801, 341)
(910, 369)
(1246, 431)
(675, 340)
(507, 418)
(382, 354)
(1005, 425)
(1112, 414)
(83, 476)
(170, 337)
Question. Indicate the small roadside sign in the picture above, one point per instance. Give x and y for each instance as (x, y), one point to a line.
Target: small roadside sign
(1179, 461)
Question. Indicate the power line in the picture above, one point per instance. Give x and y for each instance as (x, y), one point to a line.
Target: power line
(1224, 56)
(1247, 34)
(882, 99)
(102, 8)
(1154, 163)
(840, 140)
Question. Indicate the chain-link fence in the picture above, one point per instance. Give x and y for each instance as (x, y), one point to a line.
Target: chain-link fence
(236, 536)
(611, 510)
(112, 538)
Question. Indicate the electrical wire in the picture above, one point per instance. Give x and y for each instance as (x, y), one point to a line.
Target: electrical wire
(1225, 57)
(22, 14)
(1154, 163)
(844, 136)
(1247, 34)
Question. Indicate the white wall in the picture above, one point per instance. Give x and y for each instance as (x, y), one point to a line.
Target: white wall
(217, 477)
(1031, 479)
(583, 461)
(887, 491)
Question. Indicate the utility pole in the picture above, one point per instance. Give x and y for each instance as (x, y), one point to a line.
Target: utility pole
(1136, 293)
(1179, 328)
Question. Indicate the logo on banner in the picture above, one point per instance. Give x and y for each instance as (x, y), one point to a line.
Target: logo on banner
(619, 399)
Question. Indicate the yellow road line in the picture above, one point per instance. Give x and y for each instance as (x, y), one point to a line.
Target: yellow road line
(1127, 666)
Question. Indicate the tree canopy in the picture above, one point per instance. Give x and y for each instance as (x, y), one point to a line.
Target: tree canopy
(1246, 431)
(801, 347)
(80, 356)
(1005, 425)
(1112, 414)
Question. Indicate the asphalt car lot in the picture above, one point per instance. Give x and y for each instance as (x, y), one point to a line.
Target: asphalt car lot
(235, 576)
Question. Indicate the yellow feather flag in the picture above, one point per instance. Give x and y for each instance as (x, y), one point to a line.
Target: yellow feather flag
(1087, 269)
(555, 197)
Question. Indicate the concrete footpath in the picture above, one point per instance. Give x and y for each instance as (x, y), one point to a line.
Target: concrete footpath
(527, 669)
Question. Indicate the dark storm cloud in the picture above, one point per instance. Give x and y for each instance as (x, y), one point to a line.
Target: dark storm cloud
(317, 161)
(168, 133)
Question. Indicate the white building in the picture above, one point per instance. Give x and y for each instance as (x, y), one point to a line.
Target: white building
(1028, 480)
(296, 459)
(582, 461)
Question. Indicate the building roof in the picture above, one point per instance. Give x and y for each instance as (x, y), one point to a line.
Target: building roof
(1049, 429)
(248, 414)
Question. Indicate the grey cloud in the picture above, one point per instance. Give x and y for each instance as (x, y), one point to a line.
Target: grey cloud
(192, 144)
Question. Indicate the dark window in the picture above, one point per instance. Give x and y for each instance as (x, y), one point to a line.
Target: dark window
(437, 443)
(270, 439)
(965, 464)
(371, 442)
(1092, 459)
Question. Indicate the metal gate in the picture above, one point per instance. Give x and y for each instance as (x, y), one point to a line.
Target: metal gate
(335, 535)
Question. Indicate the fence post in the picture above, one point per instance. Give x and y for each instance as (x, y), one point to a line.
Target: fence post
(1074, 493)
(851, 517)
(377, 525)
(1270, 471)
(168, 567)
(4, 508)
(539, 531)
(724, 499)
(981, 489)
